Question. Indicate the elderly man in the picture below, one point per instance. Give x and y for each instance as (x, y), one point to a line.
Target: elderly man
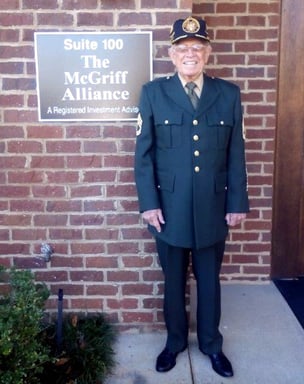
(191, 180)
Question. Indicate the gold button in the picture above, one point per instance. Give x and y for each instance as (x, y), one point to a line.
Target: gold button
(196, 153)
(195, 137)
(166, 121)
(195, 122)
(196, 169)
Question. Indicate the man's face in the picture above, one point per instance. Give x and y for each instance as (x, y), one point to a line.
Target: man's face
(189, 57)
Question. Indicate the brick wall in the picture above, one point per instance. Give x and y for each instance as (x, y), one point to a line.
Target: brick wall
(71, 184)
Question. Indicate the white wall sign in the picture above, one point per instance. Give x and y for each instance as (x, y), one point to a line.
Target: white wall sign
(91, 76)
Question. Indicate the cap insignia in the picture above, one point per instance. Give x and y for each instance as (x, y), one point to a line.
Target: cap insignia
(191, 25)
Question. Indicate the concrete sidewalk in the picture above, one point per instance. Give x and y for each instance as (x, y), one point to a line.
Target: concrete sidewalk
(262, 338)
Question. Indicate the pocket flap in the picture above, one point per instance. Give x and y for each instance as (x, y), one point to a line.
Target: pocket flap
(221, 182)
(219, 120)
(165, 181)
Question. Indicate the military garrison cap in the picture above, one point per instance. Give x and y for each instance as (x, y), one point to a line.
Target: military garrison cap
(189, 27)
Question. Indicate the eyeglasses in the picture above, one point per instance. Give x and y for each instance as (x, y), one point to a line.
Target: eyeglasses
(193, 48)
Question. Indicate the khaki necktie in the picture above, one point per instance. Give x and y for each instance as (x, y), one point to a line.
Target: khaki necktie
(192, 95)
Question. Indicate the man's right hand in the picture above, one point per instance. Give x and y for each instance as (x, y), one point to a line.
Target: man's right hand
(154, 217)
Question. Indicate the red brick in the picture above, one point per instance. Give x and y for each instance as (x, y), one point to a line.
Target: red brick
(47, 162)
(122, 219)
(60, 19)
(63, 206)
(85, 191)
(153, 303)
(137, 289)
(99, 205)
(86, 304)
(28, 262)
(44, 131)
(50, 220)
(14, 18)
(39, 4)
(137, 261)
(14, 191)
(11, 100)
(28, 234)
(134, 19)
(11, 131)
(137, 317)
(19, 84)
(86, 276)
(231, 8)
(122, 304)
(62, 177)
(63, 147)
(99, 176)
(79, 161)
(9, 4)
(83, 132)
(104, 19)
(121, 276)
(101, 290)
(101, 234)
(79, 4)
(263, 8)
(88, 248)
(48, 191)
(14, 249)
(65, 262)
(158, 4)
(24, 147)
(28, 205)
(100, 261)
(68, 289)
(118, 4)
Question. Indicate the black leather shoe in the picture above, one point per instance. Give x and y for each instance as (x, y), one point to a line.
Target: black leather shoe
(166, 360)
(221, 364)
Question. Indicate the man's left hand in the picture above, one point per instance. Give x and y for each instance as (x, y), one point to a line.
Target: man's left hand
(234, 219)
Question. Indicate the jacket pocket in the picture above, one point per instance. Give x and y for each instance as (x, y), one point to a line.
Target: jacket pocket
(168, 130)
(221, 182)
(165, 181)
(223, 126)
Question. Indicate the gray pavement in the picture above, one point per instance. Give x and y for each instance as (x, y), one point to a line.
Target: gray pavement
(262, 338)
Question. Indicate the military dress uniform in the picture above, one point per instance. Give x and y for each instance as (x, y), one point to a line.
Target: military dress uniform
(190, 163)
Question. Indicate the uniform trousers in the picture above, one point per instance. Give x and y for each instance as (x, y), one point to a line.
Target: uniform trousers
(206, 265)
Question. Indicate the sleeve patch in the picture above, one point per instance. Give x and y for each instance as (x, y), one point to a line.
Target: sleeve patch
(139, 125)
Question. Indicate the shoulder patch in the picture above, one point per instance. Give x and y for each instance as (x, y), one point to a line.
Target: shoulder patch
(139, 125)
(244, 129)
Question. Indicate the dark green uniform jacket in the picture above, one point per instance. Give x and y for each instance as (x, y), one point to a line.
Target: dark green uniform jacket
(189, 163)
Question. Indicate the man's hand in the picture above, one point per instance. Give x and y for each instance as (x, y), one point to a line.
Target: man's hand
(154, 217)
(234, 219)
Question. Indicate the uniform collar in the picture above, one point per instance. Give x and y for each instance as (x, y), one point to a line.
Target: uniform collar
(209, 94)
(199, 82)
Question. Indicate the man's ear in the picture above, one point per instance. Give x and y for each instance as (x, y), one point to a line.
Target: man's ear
(171, 54)
(208, 53)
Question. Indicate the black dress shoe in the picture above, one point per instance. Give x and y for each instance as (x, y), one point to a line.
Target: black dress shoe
(221, 364)
(166, 360)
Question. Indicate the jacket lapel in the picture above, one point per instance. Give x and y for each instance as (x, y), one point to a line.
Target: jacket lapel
(209, 95)
(175, 91)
